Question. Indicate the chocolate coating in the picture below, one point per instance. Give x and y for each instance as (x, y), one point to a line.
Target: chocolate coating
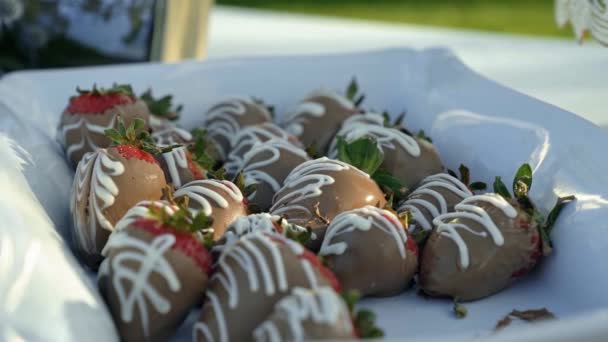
(106, 186)
(369, 250)
(171, 284)
(436, 195)
(249, 136)
(307, 315)
(266, 166)
(481, 259)
(221, 200)
(179, 168)
(251, 277)
(224, 120)
(318, 190)
(252, 223)
(405, 157)
(82, 133)
(317, 118)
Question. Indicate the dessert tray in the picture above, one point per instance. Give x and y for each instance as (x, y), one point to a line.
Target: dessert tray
(46, 294)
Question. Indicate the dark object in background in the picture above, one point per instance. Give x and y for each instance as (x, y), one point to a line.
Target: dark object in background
(64, 33)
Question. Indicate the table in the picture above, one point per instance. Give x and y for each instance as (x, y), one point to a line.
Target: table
(560, 72)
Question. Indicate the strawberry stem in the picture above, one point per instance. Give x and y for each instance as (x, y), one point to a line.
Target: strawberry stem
(547, 227)
(184, 220)
(239, 181)
(364, 320)
(294, 232)
(136, 135)
(199, 149)
(365, 154)
(459, 310)
(352, 93)
(117, 89)
(161, 107)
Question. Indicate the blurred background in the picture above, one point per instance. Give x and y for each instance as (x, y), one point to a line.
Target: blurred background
(530, 17)
(63, 33)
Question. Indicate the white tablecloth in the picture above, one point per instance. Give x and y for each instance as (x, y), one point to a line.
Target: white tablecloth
(557, 71)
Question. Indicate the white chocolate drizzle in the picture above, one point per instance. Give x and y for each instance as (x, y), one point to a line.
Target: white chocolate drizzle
(367, 118)
(387, 138)
(265, 276)
(94, 180)
(176, 158)
(221, 120)
(429, 186)
(142, 210)
(448, 227)
(85, 138)
(297, 117)
(245, 139)
(364, 220)
(203, 192)
(306, 181)
(256, 172)
(166, 135)
(244, 225)
(150, 259)
(320, 306)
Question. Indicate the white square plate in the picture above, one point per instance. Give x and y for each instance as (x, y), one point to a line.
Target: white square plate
(472, 120)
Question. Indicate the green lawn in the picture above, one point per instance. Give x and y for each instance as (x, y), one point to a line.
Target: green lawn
(533, 17)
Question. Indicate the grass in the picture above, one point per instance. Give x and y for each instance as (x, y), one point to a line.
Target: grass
(531, 17)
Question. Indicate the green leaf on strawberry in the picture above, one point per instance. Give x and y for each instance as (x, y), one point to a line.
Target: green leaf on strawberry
(352, 93)
(363, 320)
(198, 150)
(364, 154)
(182, 219)
(459, 310)
(294, 232)
(247, 190)
(117, 89)
(465, 178)
(501, 189)
(136, 135)
(421, 135)
(313, 151)
(547, 226)
(522, 182)
(161, 107)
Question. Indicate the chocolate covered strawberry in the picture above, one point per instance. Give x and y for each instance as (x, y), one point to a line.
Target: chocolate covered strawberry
(487, 243)
(225, 119)
(410, 159)
(317, 118)
(221, 200)
(266, 166)
(263, 222)
(370, 250)
(318, 190)
(109, 182)
(185, 163)
(156, 269)
(308, 314)
(436, 195)
(244, 140)
(89, 113)
(145, 210)
(251, 277)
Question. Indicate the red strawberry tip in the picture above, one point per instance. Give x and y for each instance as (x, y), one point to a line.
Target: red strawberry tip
(130, 151)
(185, 242)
